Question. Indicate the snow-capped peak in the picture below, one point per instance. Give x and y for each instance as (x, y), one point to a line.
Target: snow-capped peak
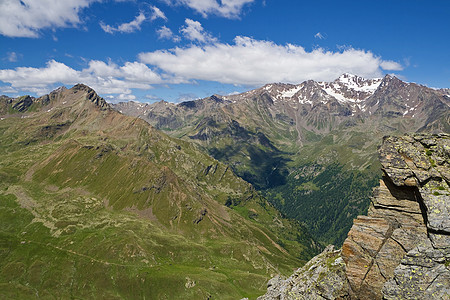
(351, 88)
(347, 88)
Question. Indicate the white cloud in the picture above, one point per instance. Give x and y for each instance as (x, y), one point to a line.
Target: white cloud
(153, 98)
(157, 13)
(187, 97)
(120, 98)
(319, 36)
(139, 73)
(256, 62)
(129, 27)
(224, 8)
(107, 28)
(8, 90)
(24, 77)
(194, 31)
(127, 97)
(12, 56)
(166, 33)
(101, 69)
(390, 65)
(24, 18)
(135, 25)
(105, 78)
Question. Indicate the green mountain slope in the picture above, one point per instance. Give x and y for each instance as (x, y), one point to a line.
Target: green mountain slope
(310, 148)
(95, 204)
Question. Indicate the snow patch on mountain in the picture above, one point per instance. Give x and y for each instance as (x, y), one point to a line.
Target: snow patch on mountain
(340, 97)
(349, 88)
(359, 84)
(291, 92)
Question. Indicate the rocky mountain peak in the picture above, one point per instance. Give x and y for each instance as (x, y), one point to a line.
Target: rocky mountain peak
(60, 97)
(91, 95)
(350, 79)
(81, 87)
(59, 90)
(23, 103)
(391, 82)
(445, 92)
(347, 89)
(363, 97)
(350, 88)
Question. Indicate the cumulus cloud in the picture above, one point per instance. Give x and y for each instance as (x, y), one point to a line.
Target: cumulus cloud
(390, 65)
(166, 33)
(24, 18)
(125, 27)
(54, 71)
(224, 8)
(194, 31)
(256, 62)
(105, 78)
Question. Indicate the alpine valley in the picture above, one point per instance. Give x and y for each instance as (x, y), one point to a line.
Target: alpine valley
(204, 199)
(310, 148)
(98, 205)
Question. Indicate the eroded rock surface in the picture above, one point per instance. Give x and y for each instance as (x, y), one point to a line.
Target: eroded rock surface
(323, 277)
(401, 249)
(423, 272)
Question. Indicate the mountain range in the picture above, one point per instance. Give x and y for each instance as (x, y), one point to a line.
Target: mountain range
(200, 199)
(96, 204)
(309, 148)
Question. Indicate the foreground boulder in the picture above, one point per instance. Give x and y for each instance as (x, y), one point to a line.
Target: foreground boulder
(401, 249)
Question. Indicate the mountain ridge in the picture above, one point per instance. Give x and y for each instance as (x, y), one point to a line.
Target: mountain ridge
(268, 135)
(176, 219)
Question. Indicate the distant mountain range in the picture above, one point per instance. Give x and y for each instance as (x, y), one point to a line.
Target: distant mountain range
(310, 148)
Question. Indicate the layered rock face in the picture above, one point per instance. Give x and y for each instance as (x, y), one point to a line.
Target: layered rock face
(401, 249)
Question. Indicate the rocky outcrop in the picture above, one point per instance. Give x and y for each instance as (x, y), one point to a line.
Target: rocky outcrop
(91, 95)
(401, 249)
(423, 272)
(323, 277)
(23, 103)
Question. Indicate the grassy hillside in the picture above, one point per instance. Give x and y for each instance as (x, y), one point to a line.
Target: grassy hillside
(95, 204)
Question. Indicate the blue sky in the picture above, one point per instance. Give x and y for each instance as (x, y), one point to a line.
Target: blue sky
(186, 49)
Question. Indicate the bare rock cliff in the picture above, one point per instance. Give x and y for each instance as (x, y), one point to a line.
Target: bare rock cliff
(401, 249)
